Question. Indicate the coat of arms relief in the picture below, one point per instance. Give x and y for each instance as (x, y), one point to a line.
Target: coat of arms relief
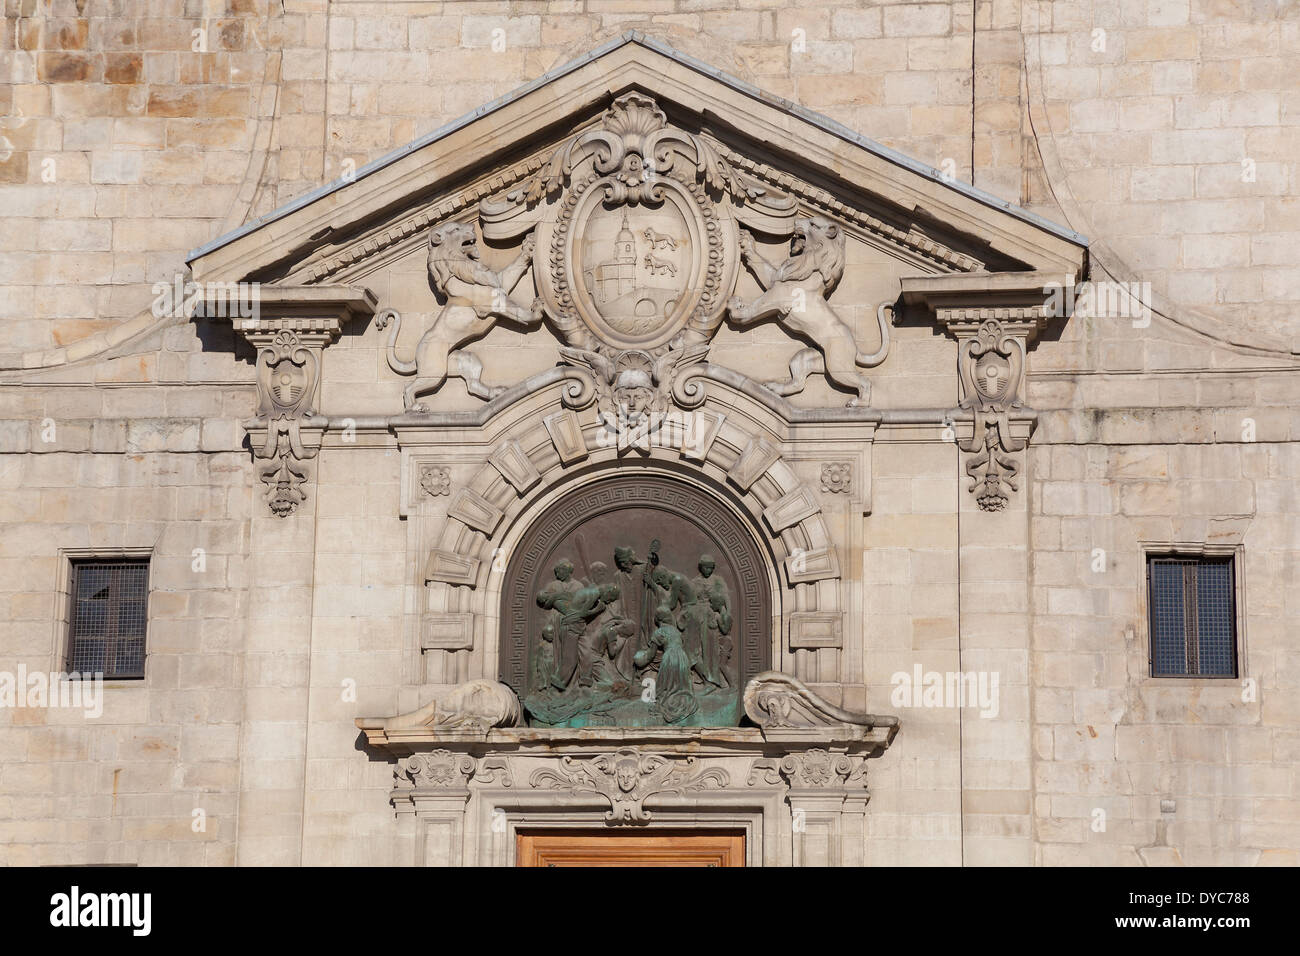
(636, 232)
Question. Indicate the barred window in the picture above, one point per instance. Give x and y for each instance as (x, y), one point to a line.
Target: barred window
(1193, 616)
(109, 604)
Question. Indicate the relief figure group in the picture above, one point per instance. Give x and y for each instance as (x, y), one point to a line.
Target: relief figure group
(637, 643)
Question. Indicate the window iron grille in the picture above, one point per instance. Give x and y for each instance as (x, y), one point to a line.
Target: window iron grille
(108, 617)
(1193, 616)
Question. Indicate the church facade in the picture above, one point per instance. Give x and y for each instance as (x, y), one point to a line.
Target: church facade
(646, 464)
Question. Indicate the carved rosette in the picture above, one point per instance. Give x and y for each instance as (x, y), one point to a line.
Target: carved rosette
(627, 778)
(837, 477)
(435, 480)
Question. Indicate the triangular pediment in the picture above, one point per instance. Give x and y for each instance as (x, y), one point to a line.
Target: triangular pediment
(342, 232)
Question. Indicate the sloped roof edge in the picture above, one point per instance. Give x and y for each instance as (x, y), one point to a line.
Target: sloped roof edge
(634, 36)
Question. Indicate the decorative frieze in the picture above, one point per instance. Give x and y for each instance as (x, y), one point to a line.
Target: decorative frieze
(626, 778)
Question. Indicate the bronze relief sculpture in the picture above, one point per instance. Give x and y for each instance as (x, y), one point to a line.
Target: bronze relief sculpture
(635, 600)
(640, 646)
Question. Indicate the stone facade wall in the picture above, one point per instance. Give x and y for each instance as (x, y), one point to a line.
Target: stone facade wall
(1169, 138)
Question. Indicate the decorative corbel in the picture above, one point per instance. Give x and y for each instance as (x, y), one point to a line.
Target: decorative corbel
(290, 328)
(994, 317)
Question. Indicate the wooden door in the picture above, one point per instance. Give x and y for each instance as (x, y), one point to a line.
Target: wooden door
(640, 848)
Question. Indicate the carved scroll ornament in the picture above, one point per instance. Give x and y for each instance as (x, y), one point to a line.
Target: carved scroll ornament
(628, 778)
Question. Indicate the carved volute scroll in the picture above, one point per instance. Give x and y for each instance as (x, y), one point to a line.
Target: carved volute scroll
(635, 602)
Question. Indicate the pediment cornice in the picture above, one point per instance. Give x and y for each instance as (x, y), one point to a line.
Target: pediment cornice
(947, 225)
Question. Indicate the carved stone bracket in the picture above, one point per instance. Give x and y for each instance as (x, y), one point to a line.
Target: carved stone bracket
(994, 317)
(290, 327)
(445, 770)
(816, 768)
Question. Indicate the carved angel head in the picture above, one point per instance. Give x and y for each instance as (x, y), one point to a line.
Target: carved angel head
(626, 773)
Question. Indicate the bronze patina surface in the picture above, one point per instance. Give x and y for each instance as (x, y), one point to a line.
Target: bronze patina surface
(635, 601)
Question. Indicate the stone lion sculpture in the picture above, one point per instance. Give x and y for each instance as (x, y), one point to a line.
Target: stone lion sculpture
(795, 294)
(476, 298)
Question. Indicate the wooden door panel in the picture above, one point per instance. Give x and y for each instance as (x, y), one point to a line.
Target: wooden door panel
(645, 848)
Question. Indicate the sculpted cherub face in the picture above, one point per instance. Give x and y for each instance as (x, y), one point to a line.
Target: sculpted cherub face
(634, 392)
(626, 773)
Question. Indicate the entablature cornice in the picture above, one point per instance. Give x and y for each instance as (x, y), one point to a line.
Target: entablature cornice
(1024, 304)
